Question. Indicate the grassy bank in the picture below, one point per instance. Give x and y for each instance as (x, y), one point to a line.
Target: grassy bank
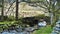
(44, 30)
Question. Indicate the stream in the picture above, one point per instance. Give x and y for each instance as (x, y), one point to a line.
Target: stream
(28, 30)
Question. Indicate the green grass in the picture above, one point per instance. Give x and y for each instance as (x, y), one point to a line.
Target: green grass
(44, 30)
(4, 26)
(7, 22)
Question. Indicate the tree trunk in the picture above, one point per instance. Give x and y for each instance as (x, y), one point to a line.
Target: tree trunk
(51, 16)
(2, 12)
(51, 19)
(16, 10)
(54, 20)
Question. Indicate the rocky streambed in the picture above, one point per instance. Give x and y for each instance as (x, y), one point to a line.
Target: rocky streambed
(19, 30)
(56, 29)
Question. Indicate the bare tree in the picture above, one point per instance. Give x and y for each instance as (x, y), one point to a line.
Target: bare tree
(2, 12)
(16, 10)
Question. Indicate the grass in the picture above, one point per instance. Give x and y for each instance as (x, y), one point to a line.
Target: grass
(44, 30)
(2, 26)
(7, 22)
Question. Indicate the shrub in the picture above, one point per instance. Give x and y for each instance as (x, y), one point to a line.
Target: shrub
(11, 18)
(4, 18)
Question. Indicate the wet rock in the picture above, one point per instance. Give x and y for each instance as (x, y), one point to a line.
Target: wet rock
(56, 29)
(57, 25)
(36, 27)
(24, 32)
(58, 22)
(12, 31)
(9, 32)
(0, 33)
(19, 29)
(5, 32)
(54, 32)
(29, 29)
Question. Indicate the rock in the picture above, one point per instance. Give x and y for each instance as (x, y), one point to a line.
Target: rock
(5, 32)
(58, 22)
(12, 31)
(57, 25)
(24, 32)
(56, 29)
(54, 32)
(29, 29)
(19, 29)
(36, 27)
(0, 33)
(9, 32)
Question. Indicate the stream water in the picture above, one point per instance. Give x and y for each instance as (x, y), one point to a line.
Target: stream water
(14, 32)
(19, 31)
